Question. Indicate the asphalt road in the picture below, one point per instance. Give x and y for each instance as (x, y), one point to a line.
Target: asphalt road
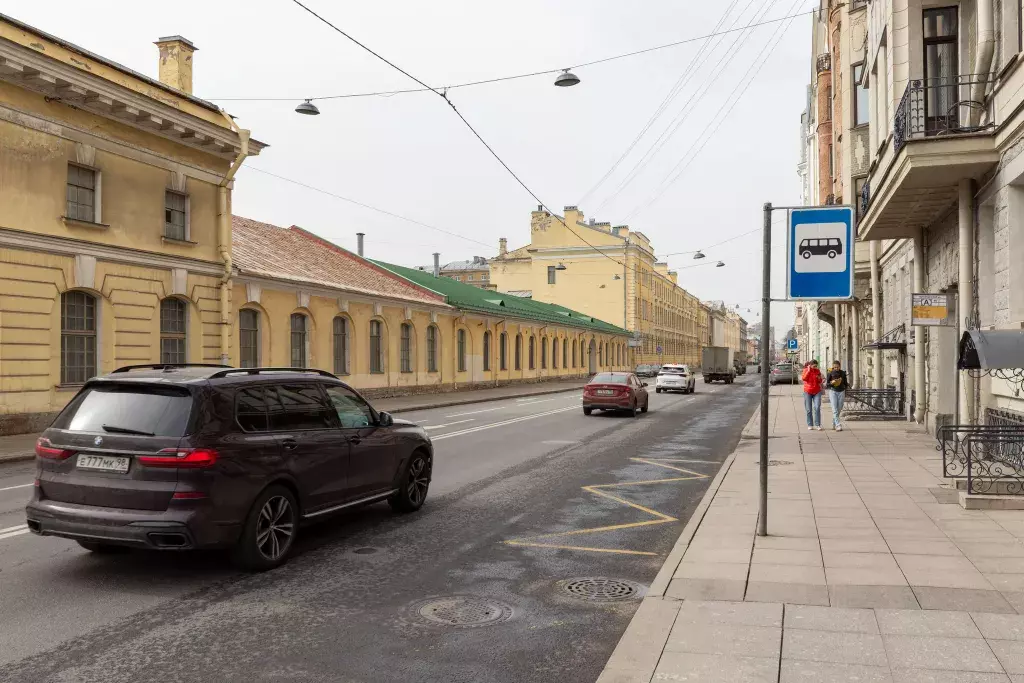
(508, 521)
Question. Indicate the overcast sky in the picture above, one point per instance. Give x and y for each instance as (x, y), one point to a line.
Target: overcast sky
(410, 154)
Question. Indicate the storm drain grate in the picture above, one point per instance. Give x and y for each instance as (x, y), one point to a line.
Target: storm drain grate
(464, 611)
(600, 589)
(773, 463)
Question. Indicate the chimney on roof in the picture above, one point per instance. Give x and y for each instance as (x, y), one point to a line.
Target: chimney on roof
(502, 246)
(176, 62)
(359, 242)
(437, 264)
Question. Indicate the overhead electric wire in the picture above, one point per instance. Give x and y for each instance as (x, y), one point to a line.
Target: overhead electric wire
(443, 94)
(672, 94)
(732, 100)
(497, 79)
(691, 105)
(364, 205)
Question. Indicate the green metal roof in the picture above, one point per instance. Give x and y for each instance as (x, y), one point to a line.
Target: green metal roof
(470, 298)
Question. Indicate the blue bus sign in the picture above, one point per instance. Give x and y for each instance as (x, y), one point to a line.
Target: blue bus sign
(820, 253)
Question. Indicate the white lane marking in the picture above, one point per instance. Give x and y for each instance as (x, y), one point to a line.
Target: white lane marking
(448, 424)
(506, 407)
(19, 486)
(13, 531)
(514, 420)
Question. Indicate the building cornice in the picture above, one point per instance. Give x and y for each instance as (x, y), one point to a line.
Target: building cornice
(289, 285)
(67, 246)
(31, 70)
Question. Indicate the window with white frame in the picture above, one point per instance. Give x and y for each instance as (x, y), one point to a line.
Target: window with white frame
(249, 337)
(173, 324)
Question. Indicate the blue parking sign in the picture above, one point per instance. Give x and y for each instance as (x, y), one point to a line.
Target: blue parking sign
(820, 253)
(793, 345)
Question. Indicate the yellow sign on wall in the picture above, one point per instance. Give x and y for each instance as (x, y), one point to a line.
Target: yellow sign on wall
(933, 310)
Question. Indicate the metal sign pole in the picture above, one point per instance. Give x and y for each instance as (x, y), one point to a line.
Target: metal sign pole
(766, 326)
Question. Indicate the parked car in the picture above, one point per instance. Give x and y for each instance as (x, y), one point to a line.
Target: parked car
(675, 378)
(174, 457)
(615, 391)
(784, 373)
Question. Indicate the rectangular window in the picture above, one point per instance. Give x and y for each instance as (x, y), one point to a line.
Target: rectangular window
(173, 316)
(77, 337)
(431, 349)
(551, 275)
(461, 337)
(405, 348)
(861, 102)
(487, 351)
(376, 348)
(858, 187)
(175, 215)
(469, 277)
(298, 330)
(249, 337)
(941, 68)
(81, 194)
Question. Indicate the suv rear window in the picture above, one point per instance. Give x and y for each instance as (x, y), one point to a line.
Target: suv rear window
(143, 410)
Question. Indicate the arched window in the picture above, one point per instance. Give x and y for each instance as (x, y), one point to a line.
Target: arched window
(565, 353)
(249, 338)
(299, 337)
(543, 353)
(574, 353)
(341, 345)
(405, 347)
(432, 349)
(503, 351)
(77, 337)
(376, 347)
(599, 347)
(487, 351)
(554, 354)
(461, 339)
(519, 352)
(173, 317)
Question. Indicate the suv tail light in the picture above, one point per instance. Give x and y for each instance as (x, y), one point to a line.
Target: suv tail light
(45, 449)
(192, 458)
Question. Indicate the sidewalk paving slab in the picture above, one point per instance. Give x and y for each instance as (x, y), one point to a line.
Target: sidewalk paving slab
(870, 572)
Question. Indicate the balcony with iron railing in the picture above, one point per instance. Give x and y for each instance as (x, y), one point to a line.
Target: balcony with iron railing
(940, 136)
(824, 62)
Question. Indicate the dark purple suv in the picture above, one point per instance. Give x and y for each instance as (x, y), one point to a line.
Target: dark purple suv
(196, 456)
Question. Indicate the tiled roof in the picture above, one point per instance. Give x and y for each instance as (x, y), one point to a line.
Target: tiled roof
(297, 255)
(468, 297)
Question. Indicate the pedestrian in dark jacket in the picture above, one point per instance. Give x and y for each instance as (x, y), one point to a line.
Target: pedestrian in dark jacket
(837, 385)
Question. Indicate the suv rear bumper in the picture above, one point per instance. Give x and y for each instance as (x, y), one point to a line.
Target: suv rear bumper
(171, 529)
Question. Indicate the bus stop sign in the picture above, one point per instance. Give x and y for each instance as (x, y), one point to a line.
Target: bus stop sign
(819, 254)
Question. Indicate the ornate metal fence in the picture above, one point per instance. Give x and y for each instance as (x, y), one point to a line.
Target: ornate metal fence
(995, 461)
(879, 404)
(956, 451)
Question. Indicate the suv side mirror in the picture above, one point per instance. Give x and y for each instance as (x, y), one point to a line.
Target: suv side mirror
(644, 384)
(385, 419)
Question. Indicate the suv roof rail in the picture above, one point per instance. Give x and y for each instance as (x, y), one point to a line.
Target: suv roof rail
(258, 371)
(167, 366)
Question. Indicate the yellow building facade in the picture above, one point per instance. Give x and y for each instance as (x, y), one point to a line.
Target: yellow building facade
(611, 273)
(387, 330)
(114, 207)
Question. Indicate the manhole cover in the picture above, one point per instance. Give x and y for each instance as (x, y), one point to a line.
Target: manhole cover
(600, 589)
(773, 463)
(464, 612)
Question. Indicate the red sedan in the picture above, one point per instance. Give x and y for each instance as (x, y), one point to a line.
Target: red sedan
(615, 391)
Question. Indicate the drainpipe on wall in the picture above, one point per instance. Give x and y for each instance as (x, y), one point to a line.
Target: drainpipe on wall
(224, 237)
(876, 317)
(965, 289)
(918, 329)
(983, 57)
(855, 351)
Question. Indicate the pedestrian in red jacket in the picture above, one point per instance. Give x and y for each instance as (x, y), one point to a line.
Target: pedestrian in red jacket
(813, 381)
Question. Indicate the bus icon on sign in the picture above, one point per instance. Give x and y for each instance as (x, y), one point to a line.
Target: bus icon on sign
(821, 247)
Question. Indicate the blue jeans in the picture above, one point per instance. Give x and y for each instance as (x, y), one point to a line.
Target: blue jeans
(836, 398)
(812, 405)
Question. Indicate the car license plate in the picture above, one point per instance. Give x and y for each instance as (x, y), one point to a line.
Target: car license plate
(605, 392)
(106, 463)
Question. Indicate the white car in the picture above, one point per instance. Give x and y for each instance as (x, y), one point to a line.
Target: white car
(675, 378)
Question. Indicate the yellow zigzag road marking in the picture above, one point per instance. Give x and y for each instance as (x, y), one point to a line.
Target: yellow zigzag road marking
(598, 490)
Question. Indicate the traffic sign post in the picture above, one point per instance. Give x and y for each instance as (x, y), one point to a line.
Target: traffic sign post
(819, 254)
(793, 345)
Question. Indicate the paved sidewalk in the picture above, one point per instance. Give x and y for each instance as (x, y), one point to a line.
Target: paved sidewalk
(871, 570)
(20, 446)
